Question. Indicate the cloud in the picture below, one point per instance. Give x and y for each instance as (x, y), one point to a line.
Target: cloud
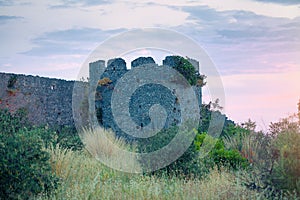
(12, 3)
(62, 4)
(259, 7)
(240, 37)
(242, 42)
(77, 35)
(39, 19)
(69, 42)
(6, 2)
(284, 2)
(6, 18)
(86, 2)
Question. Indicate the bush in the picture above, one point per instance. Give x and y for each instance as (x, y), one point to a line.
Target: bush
(255, 147)
(274, 158)
(220, 155)
(187, 164)
(66, 136)
(13, 123)
(212, 108)
(285, 153)
(25, 169)
(184, 67)
(191, 163)
(286, 173)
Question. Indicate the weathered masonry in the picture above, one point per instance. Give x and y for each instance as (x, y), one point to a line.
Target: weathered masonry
(49, 100)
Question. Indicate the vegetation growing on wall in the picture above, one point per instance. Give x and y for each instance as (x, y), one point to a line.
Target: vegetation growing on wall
(183, 66)
(11, 82)
(104, 81)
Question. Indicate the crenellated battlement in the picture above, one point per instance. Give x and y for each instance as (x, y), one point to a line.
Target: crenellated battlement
(141, 100)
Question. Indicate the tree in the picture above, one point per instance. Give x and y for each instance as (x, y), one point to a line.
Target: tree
(299, 111)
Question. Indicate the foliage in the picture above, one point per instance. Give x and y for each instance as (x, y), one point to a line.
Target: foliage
(255, 147)
(13, 123)
(184, 67)
(85, 178)
(66, 136)
(187, 164)
(205, 116)
(11, 82)
(25, 170)
(285, 174)
(299, 112)
(104, 81)
(191, 163)
(220, 155)
(274, 157)
(200, 81)
(284, 125)
(275, 167)
(207, 111)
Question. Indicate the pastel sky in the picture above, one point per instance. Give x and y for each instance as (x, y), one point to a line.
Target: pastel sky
(254, 44)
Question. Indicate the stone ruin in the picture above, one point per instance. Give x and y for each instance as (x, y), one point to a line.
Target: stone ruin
(49, 100)
(142, 99)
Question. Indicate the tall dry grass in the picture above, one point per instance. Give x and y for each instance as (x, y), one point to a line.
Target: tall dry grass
(111, 150)
(83, 177)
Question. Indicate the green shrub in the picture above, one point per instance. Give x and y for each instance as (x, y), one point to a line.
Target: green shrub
(187, 164)
(190, 163)
(231, 158)
(25, 169)
(220, 155)
(13, 123)
(274, 158)
(184, 67)
(206, 111)
(278, 166)
(67, 137)
(255, 147)
(286, 173)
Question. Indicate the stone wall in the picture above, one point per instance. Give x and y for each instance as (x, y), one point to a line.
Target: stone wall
(47, 100)
(142, 99)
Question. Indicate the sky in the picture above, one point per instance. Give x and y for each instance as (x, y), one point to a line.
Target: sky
(254, 44)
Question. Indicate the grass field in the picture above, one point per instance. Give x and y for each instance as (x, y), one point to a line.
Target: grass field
(83, 177)
(34, 162)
